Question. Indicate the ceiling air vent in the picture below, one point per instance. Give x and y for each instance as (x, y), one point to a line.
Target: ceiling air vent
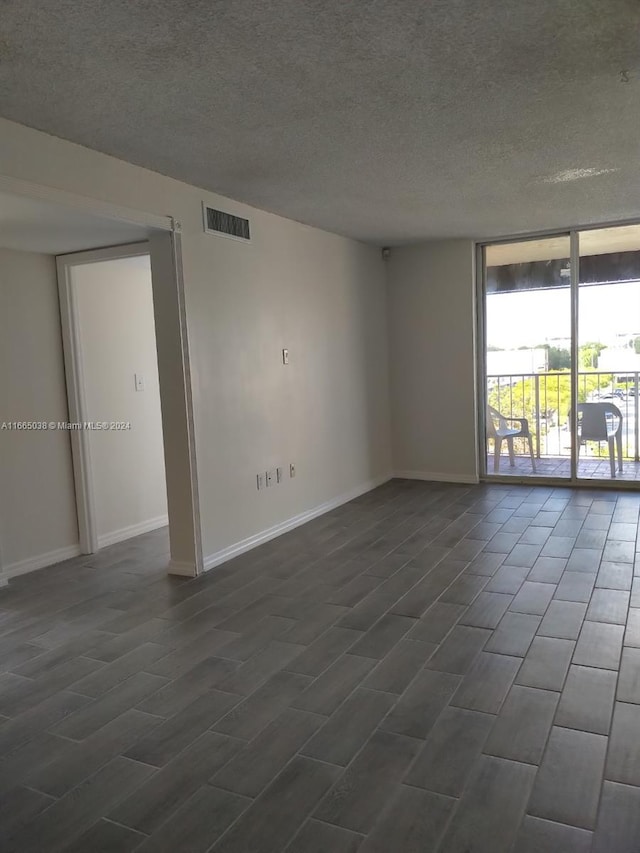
(225, 224)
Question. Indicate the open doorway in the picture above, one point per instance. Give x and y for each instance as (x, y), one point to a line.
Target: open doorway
(110, 296)
(44, 476)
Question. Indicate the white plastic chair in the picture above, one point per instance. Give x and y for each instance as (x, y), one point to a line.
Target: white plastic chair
(601, 422)
(499, 430)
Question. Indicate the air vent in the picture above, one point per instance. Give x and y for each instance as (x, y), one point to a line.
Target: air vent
(225, 224)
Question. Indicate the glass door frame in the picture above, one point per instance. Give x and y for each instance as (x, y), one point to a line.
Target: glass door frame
(481, 360)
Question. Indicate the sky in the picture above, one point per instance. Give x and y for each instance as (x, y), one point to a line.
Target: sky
(533, 317)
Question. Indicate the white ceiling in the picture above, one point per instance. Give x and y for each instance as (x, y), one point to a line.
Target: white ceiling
(28, 225)
(389, 121)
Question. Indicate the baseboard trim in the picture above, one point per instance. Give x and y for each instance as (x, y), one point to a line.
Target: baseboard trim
(437, 477)
(131, 531)
(32, 564)
(250, 542)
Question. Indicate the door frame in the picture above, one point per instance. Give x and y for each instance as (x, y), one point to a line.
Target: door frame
(574, 259)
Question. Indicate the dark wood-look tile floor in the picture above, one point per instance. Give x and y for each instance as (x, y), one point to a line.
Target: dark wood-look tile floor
(430, 667)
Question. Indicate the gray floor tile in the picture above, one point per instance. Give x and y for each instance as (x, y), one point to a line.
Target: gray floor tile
(615, 576)
(514, 634)
(196, 824)
(533, 598)
(365, 787)
(99, 712)
(623, 760)
(398, 668)
(546, 663)
(436, 623)
(502, 543)
(318, 837)
(608, 605)
(348, 729)
(535, 535)
(413, 821)
(544, 836)
(175, 695)
(599, 645)
(324, 651)
(172, 786)
(591, 539)
(248, 718)
(485, 564)
(420, 705)
(487, 683)
(328, 691)
(629, 679)
(459, 649)
(618, 827)
(524, 555)
(254, 766)
(19, 806)
(254, 672)
(276, 815)
(491, 808)
(522, 727)
(575, 586)
(558, 546)
(107, 837)
(464, 589)
(587, 700)
(563, 620)
(450, 751)
(77, 811)
(619, 552)
(383, 636)
(163, 742)
(508, 579)
(632, 634)
(575, 756)
(547, 569)
(487, 610)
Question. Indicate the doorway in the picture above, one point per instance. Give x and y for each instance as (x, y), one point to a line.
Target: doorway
(35, 224)
(560, 357)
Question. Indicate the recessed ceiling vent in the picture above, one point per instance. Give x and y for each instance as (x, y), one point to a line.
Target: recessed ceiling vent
(225, 224)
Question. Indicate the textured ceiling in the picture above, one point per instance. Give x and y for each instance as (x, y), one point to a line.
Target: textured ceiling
(385, 120)
(29, 225)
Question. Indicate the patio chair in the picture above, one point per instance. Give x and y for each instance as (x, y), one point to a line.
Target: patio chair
(601, 422)
(499, 430)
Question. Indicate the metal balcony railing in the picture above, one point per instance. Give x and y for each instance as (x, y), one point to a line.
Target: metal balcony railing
(545, 400)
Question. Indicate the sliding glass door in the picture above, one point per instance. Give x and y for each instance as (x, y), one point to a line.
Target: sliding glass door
(561, 356)
(528, 358)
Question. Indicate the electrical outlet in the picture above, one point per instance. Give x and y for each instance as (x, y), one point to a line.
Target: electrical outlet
(270, 477)
(278, 475)
(292, 470)
(260, 481)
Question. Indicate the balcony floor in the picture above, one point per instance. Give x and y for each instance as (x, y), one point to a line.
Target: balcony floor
(556, 466)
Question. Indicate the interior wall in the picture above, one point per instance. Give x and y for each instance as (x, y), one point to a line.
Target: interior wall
(432, 356)
(114, 302)
(37, 500)
(320, 295)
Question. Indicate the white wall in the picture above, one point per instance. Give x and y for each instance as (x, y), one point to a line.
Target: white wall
(431, 331)
(117, 339)
(37, 503)
(320, 295)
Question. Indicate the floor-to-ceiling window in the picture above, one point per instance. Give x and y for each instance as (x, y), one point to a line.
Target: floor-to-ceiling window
(561, 356)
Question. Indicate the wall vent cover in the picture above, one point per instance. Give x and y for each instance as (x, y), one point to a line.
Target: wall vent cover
(225, 224)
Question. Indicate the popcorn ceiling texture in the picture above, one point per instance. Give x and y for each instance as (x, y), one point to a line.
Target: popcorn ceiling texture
(387, 121)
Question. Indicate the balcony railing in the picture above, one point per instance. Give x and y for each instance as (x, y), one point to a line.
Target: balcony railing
(545, 400)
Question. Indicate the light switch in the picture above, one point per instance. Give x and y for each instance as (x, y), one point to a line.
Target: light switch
(285, 356)
(139, 379)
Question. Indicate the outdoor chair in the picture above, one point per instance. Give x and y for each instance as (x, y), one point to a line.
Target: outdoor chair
(499, 430)
(601, 422)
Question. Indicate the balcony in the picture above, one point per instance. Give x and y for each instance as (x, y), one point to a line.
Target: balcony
(545, 399)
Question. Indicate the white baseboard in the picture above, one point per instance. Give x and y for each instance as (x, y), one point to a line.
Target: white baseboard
(31, 564)
(436, 477)
(296, 521)
(133, 530)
